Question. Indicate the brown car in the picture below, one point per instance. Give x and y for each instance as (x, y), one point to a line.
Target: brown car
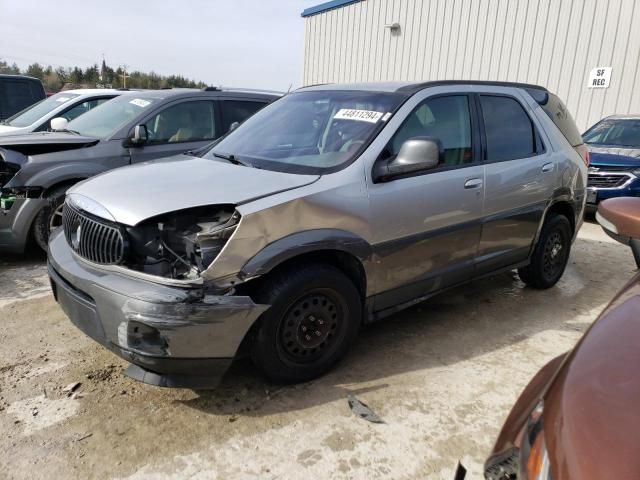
(579, 418)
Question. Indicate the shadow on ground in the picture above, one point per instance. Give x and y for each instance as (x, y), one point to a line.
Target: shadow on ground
(452, 327)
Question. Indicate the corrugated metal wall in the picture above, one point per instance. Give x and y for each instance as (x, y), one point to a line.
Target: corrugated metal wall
(555, 43)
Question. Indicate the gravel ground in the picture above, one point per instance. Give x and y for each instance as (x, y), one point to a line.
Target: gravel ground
(442, 375)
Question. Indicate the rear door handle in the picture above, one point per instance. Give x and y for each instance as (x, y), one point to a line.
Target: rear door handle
(473, 183)
(547, 167)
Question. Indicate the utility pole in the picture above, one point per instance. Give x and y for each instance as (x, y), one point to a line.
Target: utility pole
(124, 76)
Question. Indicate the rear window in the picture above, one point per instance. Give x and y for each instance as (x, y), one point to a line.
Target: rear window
(556, 111)
(18, 94)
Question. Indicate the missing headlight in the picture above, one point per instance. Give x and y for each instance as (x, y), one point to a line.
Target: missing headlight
(181, 244)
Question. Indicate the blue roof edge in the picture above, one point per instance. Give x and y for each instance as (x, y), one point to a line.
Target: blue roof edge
(323, 7)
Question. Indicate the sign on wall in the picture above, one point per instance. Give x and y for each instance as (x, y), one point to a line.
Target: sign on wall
(600, 77)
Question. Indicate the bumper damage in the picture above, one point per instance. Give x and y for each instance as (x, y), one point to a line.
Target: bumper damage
(16, 220)
(173, 336)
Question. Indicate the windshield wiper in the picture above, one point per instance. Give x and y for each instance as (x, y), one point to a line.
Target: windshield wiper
(232, 159)
(70, 131)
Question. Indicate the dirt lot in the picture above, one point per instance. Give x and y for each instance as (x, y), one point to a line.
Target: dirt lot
(442, 375)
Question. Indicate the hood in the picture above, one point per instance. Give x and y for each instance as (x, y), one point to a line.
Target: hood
(599, 159)
(591, 417)
(45, 142)
(9, 130)
(624, 151)
(137, 192)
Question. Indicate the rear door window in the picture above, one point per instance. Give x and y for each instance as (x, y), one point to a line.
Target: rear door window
(238, 111)
(509, 132)
(183, 122)
(446, 118)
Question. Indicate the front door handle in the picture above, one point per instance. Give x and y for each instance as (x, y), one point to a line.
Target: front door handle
(547, 167)
(473, 183)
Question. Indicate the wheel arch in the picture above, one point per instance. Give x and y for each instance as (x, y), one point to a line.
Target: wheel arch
(562, 205)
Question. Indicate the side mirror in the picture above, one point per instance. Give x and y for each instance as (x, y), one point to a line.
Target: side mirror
(233, 126)
(620, 219)
(140, 135)
(416, 155)
(59, 123)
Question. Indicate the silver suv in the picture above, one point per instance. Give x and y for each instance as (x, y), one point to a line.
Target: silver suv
(332, 207)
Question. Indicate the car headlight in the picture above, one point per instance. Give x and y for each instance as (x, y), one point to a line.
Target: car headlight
(181, 244)
(530, 461)
(636, 172)
(534, 459)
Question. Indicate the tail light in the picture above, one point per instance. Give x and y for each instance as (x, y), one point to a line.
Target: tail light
(583, 151)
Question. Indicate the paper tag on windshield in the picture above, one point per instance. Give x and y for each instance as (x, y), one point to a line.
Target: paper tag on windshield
(140, 102)
(359, 115)
(62, 99)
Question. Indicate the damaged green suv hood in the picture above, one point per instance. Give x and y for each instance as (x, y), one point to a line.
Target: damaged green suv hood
(138, 192)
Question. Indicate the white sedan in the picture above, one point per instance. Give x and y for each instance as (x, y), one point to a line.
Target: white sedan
(68, 104)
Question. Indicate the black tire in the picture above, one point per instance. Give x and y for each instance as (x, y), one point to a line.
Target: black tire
(48, 218)
(314, 317)
(550, 255)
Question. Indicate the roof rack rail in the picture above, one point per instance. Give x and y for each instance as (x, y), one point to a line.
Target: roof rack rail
(250, 90)
(419, 86)
(210, 89)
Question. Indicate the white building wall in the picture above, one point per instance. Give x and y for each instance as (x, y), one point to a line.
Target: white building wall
(554, 43)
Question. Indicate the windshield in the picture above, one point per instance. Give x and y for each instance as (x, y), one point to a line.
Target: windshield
(103, 121)
(615, 132)
(309, 132)
(32, 114)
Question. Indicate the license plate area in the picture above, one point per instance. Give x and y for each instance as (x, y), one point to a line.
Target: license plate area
(592, 195)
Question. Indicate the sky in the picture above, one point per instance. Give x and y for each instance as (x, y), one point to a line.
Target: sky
(239, 43)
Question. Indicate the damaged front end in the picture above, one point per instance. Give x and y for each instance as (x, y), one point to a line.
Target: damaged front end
(138, 290)
(180, 245)
(10, 164)
(173, 246)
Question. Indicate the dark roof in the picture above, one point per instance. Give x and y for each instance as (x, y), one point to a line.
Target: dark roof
(323, 7)
(10, 75)
(218, 92)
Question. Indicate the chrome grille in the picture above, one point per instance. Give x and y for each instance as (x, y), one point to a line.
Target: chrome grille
(94, 239)
(607, 180)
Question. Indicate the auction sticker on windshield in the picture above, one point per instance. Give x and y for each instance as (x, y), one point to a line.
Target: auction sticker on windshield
(359, 115)
(140, 102)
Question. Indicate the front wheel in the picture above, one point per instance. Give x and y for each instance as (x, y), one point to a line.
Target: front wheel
(314, 316)
(550, 255)
(49, 218)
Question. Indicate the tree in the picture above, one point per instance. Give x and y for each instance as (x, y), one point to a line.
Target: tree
(10, 69)
(35, 70)
(54, 79)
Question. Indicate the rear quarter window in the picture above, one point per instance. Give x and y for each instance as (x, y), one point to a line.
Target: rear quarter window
(558, 113)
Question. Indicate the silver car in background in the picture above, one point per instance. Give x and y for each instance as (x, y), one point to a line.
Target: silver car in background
(334, 206)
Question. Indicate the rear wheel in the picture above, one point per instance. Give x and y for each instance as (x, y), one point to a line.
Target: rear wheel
(550, 255)
(314, 316)
(50, 217)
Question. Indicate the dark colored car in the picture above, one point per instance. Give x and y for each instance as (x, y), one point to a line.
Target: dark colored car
(17, 92)
(36, 169)
(578, 418)
(614, 169)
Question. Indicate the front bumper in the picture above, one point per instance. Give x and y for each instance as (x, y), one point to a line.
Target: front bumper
(15, 223)
(174, 336)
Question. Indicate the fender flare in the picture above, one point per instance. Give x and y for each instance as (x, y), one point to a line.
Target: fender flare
(304, 242)
(63, 172)
(562, 195)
